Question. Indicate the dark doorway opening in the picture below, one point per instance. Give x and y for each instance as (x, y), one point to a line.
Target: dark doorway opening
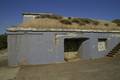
(71, 48)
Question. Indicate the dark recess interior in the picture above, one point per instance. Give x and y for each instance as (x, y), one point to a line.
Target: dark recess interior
(73, 44)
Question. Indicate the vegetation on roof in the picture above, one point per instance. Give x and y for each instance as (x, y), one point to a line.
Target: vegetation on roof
(83, 21)
(106, 24)
(49, 16)
(60, 22)
(116, 21)
(66, 21)
(69, 20)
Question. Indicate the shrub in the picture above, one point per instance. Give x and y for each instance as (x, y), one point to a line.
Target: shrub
(118, 24)
(69, 18)
(3, 41)
(37, 17)
(87, 21)
(116, 21)
(49, 16)
(95, 22)
(83, 21)
(55, 17)
(76, 20)
(106, 24)
(66, 21)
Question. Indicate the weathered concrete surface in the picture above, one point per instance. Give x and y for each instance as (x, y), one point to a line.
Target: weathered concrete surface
(48, 47)
(99, 69)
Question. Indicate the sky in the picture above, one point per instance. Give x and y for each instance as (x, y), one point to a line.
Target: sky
(11, 10)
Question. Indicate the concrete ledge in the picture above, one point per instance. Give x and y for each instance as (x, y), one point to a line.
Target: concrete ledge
(57, 30)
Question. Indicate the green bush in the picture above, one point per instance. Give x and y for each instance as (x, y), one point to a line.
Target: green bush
(118, 24)
(88, 21)
(76, 20)
(69, 18)
(55, 17)
(83, 21)
(106, 24)
(49, 16)
(116, 21)
(3, 41)
(95, 22)
(66, 21)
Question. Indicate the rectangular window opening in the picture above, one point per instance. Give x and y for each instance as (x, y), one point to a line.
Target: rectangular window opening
(102, 44)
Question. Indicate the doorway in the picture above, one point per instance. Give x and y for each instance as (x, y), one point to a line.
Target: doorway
(71, 48)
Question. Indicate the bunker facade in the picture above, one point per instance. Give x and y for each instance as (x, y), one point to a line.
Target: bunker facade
(31, 46)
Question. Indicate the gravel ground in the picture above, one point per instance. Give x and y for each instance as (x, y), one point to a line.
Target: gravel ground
(6, 72)
(98, 69)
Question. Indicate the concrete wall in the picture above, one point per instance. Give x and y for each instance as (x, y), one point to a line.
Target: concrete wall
(28, 17)
(48, 47)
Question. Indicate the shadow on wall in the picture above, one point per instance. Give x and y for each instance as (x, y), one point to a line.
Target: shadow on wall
(71, 48)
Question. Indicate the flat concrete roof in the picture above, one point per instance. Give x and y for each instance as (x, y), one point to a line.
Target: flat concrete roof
(30, 13)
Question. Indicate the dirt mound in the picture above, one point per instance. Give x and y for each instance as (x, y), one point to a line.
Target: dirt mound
(71, 56)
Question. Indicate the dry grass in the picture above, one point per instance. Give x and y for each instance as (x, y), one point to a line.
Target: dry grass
(41, 23)
(54, 23)
(71, 56)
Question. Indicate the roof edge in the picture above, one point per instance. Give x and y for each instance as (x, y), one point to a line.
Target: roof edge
(59, 30)
(42, 13)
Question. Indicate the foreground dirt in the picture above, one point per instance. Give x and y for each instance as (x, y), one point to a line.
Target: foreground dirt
(6, 72)
(99, 69)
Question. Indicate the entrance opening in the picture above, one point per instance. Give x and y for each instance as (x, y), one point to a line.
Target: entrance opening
(71, 48)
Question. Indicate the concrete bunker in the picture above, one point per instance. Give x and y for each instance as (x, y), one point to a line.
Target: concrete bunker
(72, 48)
(60, 36)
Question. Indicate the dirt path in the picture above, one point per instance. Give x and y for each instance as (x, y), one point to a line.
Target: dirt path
(99, 69)
(6, 72)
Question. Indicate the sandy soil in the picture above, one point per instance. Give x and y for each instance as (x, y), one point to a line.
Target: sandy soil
(6, 72)
(98, 69)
